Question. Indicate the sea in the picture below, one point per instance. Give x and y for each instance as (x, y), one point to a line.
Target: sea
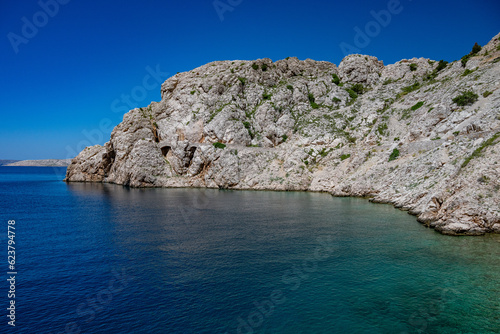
(103, 258)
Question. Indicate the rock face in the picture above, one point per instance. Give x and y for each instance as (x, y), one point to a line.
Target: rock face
(392, 133)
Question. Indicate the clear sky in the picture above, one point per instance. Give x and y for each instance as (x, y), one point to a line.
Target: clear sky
(70, 69)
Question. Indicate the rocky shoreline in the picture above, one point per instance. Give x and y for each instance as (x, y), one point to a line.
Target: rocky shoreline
(419, 134)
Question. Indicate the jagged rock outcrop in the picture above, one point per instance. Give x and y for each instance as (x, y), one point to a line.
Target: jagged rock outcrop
(392, 133)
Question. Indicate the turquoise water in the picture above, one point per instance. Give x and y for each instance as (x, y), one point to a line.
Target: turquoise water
(96, 258)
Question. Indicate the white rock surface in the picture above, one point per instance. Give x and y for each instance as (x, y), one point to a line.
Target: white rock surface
(288, 126)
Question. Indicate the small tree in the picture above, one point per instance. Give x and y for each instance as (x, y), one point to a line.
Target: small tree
(475, 49)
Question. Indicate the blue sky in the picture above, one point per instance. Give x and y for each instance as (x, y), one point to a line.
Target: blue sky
(68, 72)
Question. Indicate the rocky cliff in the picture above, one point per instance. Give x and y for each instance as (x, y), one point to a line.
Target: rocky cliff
(420, 134)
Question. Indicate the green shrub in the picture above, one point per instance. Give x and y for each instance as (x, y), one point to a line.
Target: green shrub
(344, 156)
(388, 81)
(193, 92)
(411, 88)
(352, 93)
(324, 152)
(441, 65)
(417, 105)
(464, 60)
(394, 155)
(467, 72)
(381, 128)
(466, 98)
(396, 138)
(284, 137)
(358, 88)
(264, 67)
(232, 70)
(242, 80)
(336, 79)
(290, 87)
(219, 145)
(255, 66)
(311, 98)
(266, 96)
(413, 67)
(487, 93)
(335, 99)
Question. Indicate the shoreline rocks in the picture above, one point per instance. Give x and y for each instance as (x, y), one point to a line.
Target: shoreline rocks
(392, 133)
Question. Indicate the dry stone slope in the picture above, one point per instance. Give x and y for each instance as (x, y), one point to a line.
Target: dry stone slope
(391, 133)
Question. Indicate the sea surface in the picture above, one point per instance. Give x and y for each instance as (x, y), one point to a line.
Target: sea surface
(101, 258)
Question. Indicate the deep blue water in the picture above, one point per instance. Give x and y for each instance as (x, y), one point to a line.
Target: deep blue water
(99, 258)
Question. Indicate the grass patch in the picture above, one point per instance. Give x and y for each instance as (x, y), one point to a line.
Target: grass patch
(219, 145)
(388, 81)
(417, 105)
(382, 128)
(394, 155)
(487, 93)
(413, 67)
(409, 89)
(344, 156)
(467, 72)
(477, 151)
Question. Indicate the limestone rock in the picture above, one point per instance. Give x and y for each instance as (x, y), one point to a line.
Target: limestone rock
(289, 125)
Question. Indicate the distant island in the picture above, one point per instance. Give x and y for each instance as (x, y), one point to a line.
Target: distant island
(420, 134)
(6, 162)
(36, 163)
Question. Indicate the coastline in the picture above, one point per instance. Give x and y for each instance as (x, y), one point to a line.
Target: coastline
(398, 134)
